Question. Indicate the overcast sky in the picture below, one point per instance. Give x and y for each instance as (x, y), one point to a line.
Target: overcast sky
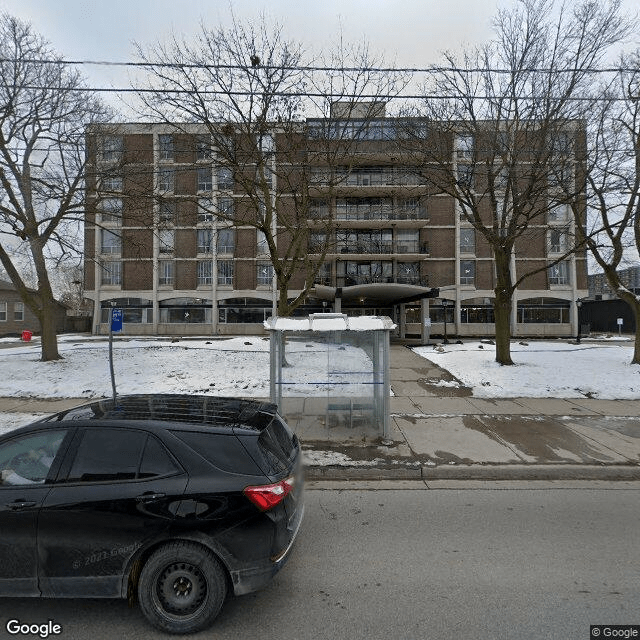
(414, 30)
(409, 33)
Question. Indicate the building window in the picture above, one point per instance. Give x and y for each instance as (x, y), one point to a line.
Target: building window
(559, 177)
(264, 273)
(165, 272)
(559, 213)
(18, 311)
(380, 241)
(166, 180)
(501, 179)
(112, 148)
(350, 273)
(226, 241)
(317, 242)
(224, 177)
(266, 143)
(467, 240)
(464, 146)
(467, 272)
(111, 273)
(318, 209)
(544, 311)
(205, 210)
(477, 313)
(268, 176)
(558, 241)
(561, 144)
(111, 184)
(225, 207)
(203, 148)
(559, 273)
(262, 247)
(167, 213)
(205, 240)
(408, 273)
(3, 311)
(166, 240)
(165, 146)
(205, 272)
(407, 241)
(410, 209)
(111, 210)
(185, 310)
(225, 272)
(111, 243)
(465, 176)
(205, 180)
(324, 274)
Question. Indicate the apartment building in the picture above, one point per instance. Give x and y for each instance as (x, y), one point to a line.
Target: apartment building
(394, 246)
(599, 288)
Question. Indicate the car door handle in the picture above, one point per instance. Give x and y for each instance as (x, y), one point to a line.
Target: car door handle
(20, 505)
(149, 496)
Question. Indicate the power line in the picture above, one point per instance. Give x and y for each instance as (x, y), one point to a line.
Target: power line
(238, 67)
(308, 94)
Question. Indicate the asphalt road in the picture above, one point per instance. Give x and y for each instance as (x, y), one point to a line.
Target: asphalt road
(483, 560)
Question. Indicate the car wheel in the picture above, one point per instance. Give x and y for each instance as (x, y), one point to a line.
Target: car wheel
(181, 588)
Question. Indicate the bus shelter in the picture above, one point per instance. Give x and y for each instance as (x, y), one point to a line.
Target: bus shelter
(331, 372)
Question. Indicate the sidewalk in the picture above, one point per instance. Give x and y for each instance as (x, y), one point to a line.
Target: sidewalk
(444, 432)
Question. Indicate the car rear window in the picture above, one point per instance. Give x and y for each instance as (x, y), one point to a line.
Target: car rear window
(223, 451)
(277, 445)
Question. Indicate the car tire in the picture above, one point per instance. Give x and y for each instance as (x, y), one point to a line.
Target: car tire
(181, 588)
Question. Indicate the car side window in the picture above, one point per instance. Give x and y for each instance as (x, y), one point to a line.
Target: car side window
(107, 454)
(26, 460)
(156, 461)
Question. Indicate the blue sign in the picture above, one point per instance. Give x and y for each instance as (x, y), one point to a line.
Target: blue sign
(116, 319)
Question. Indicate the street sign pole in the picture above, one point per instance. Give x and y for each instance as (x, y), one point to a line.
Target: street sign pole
(115, 324)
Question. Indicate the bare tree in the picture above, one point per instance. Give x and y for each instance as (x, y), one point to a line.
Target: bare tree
(613, 182)
(43, 111)
(505, 135)
(251, 91)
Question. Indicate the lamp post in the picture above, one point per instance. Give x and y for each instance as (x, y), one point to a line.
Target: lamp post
(579, 306)
(445, 306)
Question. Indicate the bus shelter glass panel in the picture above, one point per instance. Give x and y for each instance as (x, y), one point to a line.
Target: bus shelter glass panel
(332, 380)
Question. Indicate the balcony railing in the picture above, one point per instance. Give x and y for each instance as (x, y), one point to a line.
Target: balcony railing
(375, 248)
(382, 213)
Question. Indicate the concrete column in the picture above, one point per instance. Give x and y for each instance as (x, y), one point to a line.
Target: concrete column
(425, 320)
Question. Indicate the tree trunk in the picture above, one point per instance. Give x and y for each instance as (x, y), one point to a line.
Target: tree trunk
(47, 315)
(634, 303)
(502, 312)
(502, 307)
(49, 338)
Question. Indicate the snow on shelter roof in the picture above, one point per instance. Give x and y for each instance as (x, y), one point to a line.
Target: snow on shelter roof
(330, 322)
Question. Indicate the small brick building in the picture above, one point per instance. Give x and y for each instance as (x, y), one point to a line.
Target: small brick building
(16, 317)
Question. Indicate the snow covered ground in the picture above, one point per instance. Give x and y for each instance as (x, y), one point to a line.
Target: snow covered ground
(240, 366)
(543, 369)
(228, 367)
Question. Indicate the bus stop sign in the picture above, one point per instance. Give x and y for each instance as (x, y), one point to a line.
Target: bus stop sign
(116, 319)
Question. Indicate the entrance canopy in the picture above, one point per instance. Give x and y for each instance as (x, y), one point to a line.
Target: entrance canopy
(375, 294)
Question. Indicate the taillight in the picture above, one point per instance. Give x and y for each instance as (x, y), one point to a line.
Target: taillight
(267, 496)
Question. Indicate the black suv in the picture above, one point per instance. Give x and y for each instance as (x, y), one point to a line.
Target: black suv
(175, 498)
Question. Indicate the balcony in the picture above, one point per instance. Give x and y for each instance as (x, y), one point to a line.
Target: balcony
(382, 213)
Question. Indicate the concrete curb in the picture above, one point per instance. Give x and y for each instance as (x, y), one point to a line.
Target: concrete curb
(476, 472)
